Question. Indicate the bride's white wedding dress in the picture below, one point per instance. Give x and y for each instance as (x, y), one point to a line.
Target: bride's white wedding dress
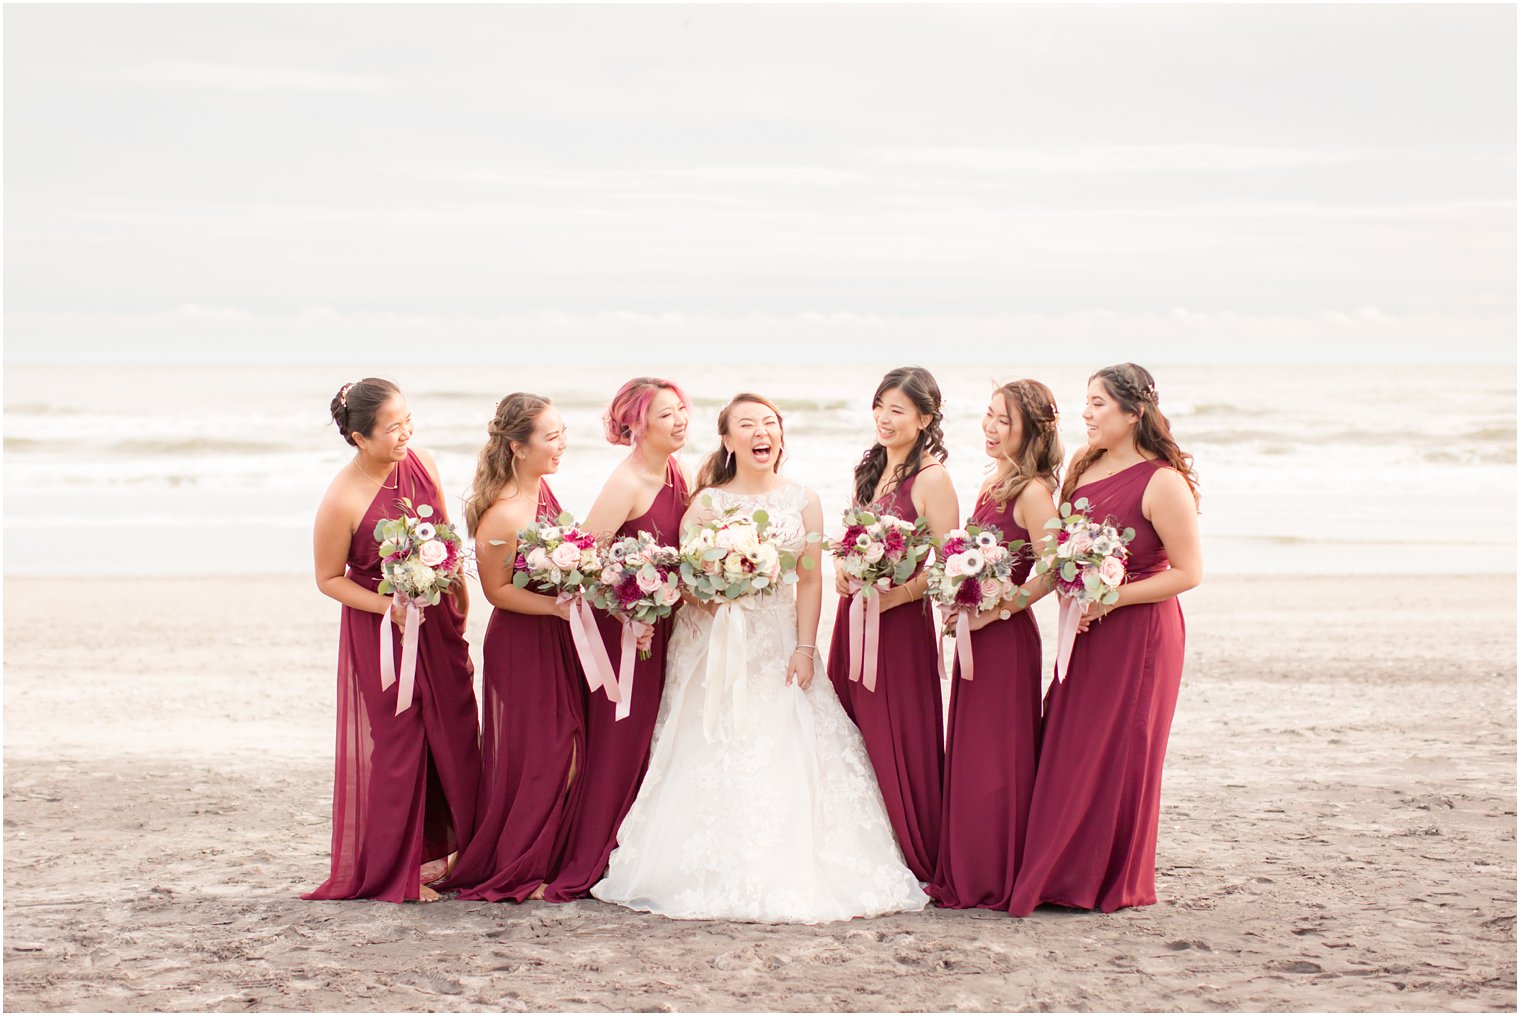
(760, 803)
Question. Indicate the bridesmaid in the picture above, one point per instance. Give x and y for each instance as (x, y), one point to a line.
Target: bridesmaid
(404, 787)
(1097, 794)
(994, 731)
(647, 492)
(903, 474)
(533, 734)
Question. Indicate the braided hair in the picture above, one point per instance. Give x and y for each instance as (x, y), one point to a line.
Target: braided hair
(923, 391)
(1134, 389)
(516, 416)
(1038, 456)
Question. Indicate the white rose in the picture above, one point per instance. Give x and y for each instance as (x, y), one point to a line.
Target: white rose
(955, 566)
(566, 555)
(433, 553)
(590, 560)
(538, 559)
(874, 553)
(725, 538)
(419, 576)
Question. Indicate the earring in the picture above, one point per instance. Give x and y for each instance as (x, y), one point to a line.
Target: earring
(729, 462)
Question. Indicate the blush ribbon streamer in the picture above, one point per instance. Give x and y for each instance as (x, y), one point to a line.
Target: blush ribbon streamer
(588, 646)
(865, 634)
(408, 654)
(1066, 633)
(633, 630)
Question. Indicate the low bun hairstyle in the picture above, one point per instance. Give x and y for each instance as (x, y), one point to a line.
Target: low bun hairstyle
(355, 406)
(1134, 389)
(718, 468)
(923, 391)
(516, 416)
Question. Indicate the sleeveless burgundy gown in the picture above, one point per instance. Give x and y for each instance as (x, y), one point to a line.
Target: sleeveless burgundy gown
(404, 786)
(991, 746)
(617, 752)
(900, 720)
(1097, 794)
(534, 726)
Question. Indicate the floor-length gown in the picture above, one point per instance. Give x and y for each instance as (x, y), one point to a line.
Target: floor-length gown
(900, 720)
(991, 745)
(1091, 842)
(759, 803)
(534, 730)
(404, 786)
(617, 751)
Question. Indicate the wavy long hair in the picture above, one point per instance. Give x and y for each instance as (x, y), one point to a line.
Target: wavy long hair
(718, 468)
(923, 391)
(1134, 389)
(1039, 454)
(516, 416)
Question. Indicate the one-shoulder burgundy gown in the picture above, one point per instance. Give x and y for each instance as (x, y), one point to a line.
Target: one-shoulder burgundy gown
(404, 786)
(534, 729)
(1091, 842)
(617, 751)
(991, 745)
(900, 720)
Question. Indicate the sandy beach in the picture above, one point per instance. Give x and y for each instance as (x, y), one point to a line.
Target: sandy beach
(1338, 831)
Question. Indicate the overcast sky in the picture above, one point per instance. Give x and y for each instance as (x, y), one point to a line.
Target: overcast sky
(1081, 183)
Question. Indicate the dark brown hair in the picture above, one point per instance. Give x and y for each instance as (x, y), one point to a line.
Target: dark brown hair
(355, 406)
(718, 468)
(923, 391)
(516, 417)
(1039, 454)
(1133, 388)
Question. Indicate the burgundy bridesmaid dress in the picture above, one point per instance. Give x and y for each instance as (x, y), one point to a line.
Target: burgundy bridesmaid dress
(1091, 842)
(617, 751)
(991, 745)
(900, 720)
(533, 731)
(404, 787)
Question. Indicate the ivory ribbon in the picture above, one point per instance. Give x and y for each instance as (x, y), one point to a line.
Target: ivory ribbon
(408, 655)
(727, 673)
(865, 634)
(1066, 633)
(588, 646)
(633, 630)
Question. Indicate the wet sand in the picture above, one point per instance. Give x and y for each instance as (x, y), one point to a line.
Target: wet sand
(1338, 831)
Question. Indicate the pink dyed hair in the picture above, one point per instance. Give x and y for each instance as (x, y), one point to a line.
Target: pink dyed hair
(628, 413)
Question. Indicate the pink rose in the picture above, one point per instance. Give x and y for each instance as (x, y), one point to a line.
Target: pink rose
(433, 553)
(667, 596)
(566, 555)
(1111, 571)
(648, 581)
(609, 576)
(1081, 543)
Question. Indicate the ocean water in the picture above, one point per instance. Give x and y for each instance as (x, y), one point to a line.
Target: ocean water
(214, 469)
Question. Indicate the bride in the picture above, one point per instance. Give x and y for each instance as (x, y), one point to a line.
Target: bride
(768, 811)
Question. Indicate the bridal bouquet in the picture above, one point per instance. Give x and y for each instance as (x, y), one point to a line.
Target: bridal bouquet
(562, 559)
(972, 571)
(730, 557)
(639, 584)
(875, 553)
(419, 562)
(1087, 563)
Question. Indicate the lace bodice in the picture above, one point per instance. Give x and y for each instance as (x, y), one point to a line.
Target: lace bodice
(784, 505)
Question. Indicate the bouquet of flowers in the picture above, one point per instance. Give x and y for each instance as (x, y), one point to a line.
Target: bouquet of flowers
(1087, 563)
(730, 557)
(875, 553)
(557, 558)
(563, 560)
(419, 561)
(640, 583)
(972, 571)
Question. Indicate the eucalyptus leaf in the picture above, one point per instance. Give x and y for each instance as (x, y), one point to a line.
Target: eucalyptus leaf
(1069, 571)
(520, 579)
(1128, 534)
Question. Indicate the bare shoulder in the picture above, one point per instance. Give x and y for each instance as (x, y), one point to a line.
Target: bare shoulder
(504, 518)
(346, 499)
(934, 478)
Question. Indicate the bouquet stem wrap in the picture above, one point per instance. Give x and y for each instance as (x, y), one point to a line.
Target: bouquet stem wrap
(588, 646)
(727, 675)
(408, 655)
(865, 634)
(1066, 633)
(633, 630)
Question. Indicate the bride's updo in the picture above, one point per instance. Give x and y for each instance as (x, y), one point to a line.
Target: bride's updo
(718, 468)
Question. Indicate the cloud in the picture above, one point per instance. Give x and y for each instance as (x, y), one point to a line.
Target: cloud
(1105, 159)
(237, 77)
